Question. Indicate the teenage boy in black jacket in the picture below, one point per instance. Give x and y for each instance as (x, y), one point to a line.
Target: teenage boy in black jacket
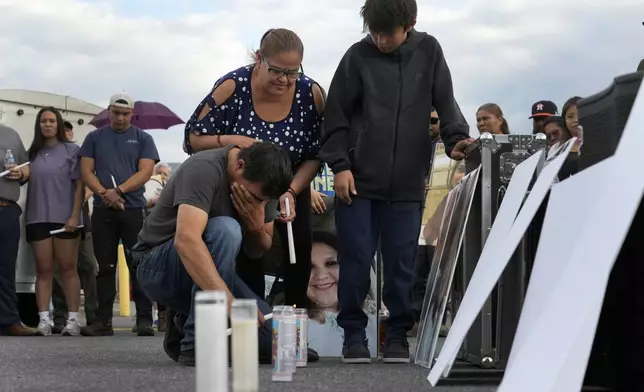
(377, 143)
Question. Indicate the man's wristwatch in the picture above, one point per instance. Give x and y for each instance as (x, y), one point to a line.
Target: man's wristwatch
(120, 192)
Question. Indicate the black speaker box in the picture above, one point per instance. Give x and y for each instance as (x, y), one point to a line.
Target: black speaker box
(603, 117)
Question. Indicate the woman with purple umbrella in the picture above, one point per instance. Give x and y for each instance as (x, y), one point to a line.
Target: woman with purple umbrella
(270, 100)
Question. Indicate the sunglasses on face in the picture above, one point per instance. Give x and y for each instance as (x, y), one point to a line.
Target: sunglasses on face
(434, 121)
(279, 72)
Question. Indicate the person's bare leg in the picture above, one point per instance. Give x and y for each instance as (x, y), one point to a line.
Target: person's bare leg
(44, 255)
(66, 255)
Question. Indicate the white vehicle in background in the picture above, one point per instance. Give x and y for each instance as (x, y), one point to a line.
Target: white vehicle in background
(18, 110)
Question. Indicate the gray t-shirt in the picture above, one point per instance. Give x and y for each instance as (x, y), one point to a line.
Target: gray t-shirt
(50, 196)
(10, 140)
(202, 182)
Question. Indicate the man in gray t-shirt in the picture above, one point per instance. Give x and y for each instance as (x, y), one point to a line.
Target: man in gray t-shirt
(218, 202)
(10, 232)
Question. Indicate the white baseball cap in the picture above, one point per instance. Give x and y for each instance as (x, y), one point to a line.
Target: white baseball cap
(122, 100)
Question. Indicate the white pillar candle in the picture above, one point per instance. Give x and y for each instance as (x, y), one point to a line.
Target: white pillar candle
(211, 341)
(243, 320)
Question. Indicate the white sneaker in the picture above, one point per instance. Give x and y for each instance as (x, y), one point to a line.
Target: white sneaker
(72, 328)
(44, 327)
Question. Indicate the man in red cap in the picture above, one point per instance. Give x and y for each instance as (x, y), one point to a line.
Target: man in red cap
(540, 111)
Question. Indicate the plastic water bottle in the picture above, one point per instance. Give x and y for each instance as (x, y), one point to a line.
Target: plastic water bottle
(9, 159)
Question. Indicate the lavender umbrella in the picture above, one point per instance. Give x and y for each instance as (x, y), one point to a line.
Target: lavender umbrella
(147, 115)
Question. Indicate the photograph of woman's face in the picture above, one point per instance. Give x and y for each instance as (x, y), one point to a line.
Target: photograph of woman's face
(323, 283)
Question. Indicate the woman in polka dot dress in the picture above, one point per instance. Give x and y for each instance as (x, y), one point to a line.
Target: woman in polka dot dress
(270, 100)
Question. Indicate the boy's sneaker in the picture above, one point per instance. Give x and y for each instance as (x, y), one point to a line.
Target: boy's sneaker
(44, 328)
(396, 351)
(72, 328)
(357, 352)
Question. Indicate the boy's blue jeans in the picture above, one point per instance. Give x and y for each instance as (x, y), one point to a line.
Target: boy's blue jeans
(361, 226)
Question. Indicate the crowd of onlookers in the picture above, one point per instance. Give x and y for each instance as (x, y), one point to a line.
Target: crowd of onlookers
(376, 130)
(73, 248)
(58, 274)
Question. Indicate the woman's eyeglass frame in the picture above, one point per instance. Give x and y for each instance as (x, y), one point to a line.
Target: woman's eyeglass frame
(277, 73)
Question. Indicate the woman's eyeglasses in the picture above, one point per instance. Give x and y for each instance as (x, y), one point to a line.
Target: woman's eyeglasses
(279, 72)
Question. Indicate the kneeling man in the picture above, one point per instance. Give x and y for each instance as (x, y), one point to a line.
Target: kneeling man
(216, 204)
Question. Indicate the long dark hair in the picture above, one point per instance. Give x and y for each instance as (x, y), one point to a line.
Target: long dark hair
(39, 141)
(570, 103)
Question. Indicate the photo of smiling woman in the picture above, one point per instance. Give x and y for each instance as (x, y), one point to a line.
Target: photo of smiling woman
(325, 335)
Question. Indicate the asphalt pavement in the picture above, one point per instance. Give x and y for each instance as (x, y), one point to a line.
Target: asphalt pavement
(127, 363)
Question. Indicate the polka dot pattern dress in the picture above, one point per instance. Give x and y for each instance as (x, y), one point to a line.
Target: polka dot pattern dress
(298, 133)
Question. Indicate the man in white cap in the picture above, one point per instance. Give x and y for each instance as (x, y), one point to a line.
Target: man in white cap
(116, 162)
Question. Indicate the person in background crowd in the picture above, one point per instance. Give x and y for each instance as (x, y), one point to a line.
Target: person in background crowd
(163, 170)
(489, 118)
(116, 162)
(155, 185)
(571, 117)
(153, 190)
(423, 257)
(540, 111)
(86, 266)
(54, 201)
(270, 100)
(379, 152)
(10, 324)
(570, 129)
(434, 127)
(555, 130)
(215, 205)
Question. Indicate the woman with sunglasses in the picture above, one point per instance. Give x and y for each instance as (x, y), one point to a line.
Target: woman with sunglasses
(270, 100)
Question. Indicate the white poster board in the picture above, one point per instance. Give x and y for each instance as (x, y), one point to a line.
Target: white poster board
(497, 252)
(574, 302)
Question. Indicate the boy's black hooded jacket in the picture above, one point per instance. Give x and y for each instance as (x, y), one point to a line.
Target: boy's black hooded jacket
(377, 116)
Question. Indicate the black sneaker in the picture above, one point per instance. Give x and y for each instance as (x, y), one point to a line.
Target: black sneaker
(357, 352)
(396, 351)
(172, 339)
(98, 329)
(312, 355)
(187, 357)
(57, 328)
(144, 327)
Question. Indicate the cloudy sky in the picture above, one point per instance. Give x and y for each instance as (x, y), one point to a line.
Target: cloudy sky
(512, 52)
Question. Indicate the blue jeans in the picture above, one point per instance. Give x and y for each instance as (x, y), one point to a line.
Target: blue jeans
(361, 226)
(164, 279)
